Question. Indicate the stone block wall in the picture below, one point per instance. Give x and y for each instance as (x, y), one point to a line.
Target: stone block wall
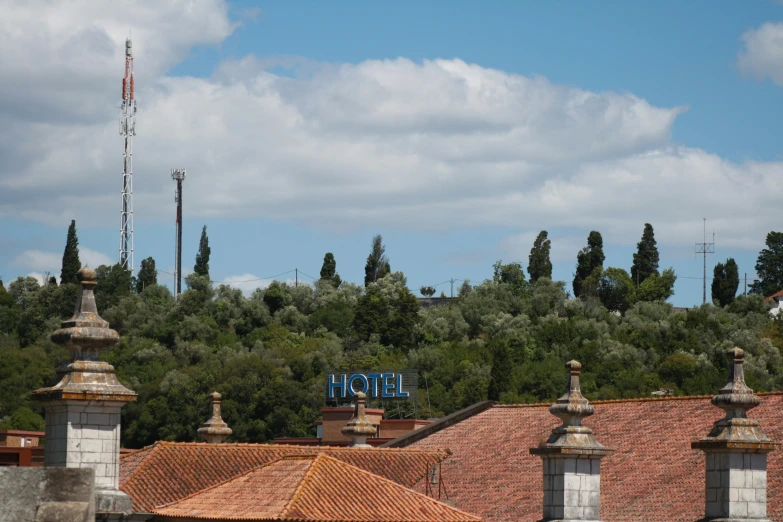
(736, 485)
(46, 495)
(572, 488)
(85, 435)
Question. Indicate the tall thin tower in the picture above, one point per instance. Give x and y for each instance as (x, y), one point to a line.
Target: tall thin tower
(705, 248)
(127, 131)
(178, 175)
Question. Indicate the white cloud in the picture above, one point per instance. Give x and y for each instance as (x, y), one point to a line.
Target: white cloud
(40, 261)
(38, 277)
(431, 145)
(762, 55)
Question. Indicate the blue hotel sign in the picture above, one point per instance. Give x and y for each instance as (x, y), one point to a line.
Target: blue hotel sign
(384, 385)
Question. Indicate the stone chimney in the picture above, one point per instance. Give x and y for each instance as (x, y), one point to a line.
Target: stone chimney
(572, 458)
(359, 428)
(736, 454)
(83, 409)
(215, 430)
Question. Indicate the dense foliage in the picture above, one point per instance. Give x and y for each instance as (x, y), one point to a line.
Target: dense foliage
(539, 263)
(725, 282)
(202, 256)
(645, 260)
(589, 265)
(70, 264)
(505, 339)
(769, 266)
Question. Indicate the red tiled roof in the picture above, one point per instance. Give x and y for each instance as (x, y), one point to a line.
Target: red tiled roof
(653, 474)
(769, 298)
(310, 488)
(169, 471)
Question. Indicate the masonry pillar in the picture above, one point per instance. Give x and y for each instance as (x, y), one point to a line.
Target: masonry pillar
(572, 459)
(215, 430)
(359, 427)
(736, 454)
(83, 409)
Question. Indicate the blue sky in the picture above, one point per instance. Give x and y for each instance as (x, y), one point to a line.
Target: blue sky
(631, 112)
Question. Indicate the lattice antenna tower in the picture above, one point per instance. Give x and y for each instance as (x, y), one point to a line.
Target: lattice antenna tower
(178, 175)
(127, 131)
(704, 249)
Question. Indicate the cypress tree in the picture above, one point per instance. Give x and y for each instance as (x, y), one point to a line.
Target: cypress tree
(589, 262)
(148, 275)
(539, 264)
(377, 264)
(769, 266)
(202, 257)
(645, 260)
(500, 374)
(725, 282)
(71, 263)
(329, 270)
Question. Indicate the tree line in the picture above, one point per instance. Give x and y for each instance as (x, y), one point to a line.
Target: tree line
(504, 339)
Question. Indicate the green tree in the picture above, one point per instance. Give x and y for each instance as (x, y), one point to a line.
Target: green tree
(589, 262)
(202, 257)
(114, 283)
(769, 266)
(275, 297)
(539, 263)
(511, 274)
(377, 265)
(500, 375)
(427, 291)
(148, 276)
(616, 289)
(645, 260)
(329, 270)
(725, 282)
(26, 419)
(71, 263)
(465, 288)
(657, 287)
(372, 313)
(401, 331)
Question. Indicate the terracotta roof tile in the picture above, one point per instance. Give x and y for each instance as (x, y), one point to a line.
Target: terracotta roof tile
(169, 471)
(312, 488)
(653, 475)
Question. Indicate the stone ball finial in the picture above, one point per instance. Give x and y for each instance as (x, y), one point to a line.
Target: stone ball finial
(215, 430)
(574, 365)
(738, 354)
(87, 275)
(359, 428)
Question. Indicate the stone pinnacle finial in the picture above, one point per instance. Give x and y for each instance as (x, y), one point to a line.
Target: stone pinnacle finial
(85, 334)
(571, 408)
(215, 430)
(359, 428)
(736, 398)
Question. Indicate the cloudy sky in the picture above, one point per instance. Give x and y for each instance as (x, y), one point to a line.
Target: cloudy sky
(457, 130)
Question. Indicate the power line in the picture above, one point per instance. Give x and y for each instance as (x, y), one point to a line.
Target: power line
(311, 277)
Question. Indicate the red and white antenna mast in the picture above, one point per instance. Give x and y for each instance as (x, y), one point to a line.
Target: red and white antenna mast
(127, 131)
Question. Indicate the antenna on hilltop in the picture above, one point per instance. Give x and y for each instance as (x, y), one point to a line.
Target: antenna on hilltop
(178, 175)
(127, 131)
(704, 249)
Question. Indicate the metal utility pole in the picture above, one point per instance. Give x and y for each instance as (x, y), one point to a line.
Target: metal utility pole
(127, 131)
(296, 283)
(704, 249)
(452, 286)
(178, 175)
